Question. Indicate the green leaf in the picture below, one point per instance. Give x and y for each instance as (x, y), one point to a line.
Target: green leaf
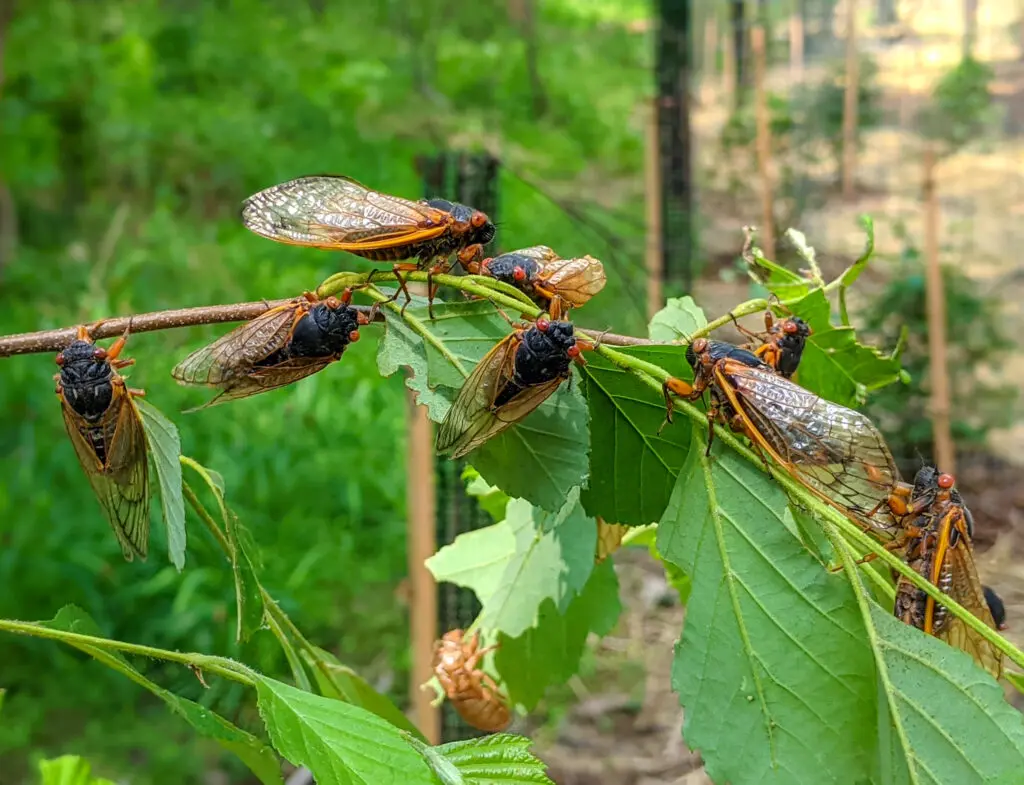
(780, 281)
(340, 743)
(834, 365)
(677, 321)
(544, 456)
(943, 719)
(69, 770)
(773, 669)
(402, 348)
(248, 592)
(165, 447)
(492, 499)
(260, 759)
(633, 467)
(539, 459)
(550, 652)
(515, 565)
(339, 681)
(852, 273)
(498, 759)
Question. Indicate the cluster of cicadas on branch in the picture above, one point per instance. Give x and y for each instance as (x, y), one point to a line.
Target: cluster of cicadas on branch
(841, 458)
(835, 452)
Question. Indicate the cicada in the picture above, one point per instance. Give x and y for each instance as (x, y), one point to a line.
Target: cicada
(836, 453)
(781, 344)
(939, 548)
(513, 379)
(337, 213)
(471, 691)
(287, 343)
(554, 283)
(107, 433)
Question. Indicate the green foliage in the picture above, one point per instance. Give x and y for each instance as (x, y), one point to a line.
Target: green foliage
(976, 339)
(961, 109)
(68, 770)
(127, 148)
(165, 446)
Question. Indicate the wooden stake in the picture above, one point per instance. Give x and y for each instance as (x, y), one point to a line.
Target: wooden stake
(421, 523)
(710, 58)
(938, 375)
(796, 45)
(729, 68)
(763, 142)
(652, 188)
(850, 104)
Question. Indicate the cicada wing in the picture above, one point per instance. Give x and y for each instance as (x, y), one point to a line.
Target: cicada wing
(575, 280)
(471, 420)
(260, 380)
(232, 355)
(121, 481)
(335, 212)
(966, 589)
(835, 452)
(540, 253)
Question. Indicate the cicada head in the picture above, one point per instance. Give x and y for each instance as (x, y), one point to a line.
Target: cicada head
(474, 226)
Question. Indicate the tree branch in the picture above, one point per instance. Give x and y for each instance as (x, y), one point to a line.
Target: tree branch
(55, 340)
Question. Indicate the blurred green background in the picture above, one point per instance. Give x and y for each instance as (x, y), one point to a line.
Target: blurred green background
(130, 131)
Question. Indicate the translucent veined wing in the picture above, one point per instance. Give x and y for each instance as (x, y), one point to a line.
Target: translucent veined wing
(835, 452)
(540, 253)
(473, 417)
(336, 212)
(574, 280)
(232, 355)
(966, 589)
(259, 380)
(121, 482)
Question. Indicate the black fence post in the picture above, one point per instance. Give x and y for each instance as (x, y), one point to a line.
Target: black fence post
(471, 179)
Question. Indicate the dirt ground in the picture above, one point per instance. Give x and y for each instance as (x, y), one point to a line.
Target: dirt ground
(624, 726)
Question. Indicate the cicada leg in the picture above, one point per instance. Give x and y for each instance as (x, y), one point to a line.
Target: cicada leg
(673, 386)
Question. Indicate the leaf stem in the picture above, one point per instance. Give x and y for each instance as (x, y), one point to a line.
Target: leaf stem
(222, 666)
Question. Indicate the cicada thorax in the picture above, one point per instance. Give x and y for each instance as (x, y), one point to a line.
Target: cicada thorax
(542, 356)
(86, 379)
(473, 693)
(515, 269)
(324, 331)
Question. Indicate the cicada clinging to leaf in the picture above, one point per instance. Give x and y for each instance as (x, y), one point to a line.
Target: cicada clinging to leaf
(512, 379)
(938, 536)
(552, 282)
(781, 344)
(836, 453)
(108, 436)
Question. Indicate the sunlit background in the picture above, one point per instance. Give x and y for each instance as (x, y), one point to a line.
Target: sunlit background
(130, 131)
